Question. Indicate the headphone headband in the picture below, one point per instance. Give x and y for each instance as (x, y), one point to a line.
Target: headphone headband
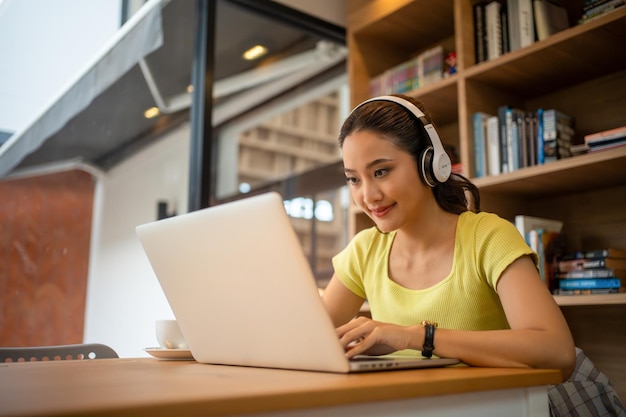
(439, 165)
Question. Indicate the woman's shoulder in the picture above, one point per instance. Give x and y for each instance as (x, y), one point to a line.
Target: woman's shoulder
(373, 233)
(485, 224)
(366, 233)
(482, 218)
(371, 239)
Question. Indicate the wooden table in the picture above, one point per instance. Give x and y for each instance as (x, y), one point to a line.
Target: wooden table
(151, 387)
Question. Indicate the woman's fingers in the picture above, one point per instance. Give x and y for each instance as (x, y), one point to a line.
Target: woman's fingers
(353, 333)
(369, 337)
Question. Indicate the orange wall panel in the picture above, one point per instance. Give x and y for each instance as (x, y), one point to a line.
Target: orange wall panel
(45, 229)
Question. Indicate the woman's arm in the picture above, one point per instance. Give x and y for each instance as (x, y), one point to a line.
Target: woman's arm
(342, 304)
(539, 336)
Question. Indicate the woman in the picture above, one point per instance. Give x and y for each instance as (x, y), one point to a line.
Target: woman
(432, 260)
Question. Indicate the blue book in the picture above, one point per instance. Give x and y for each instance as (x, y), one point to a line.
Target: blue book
(578, 284)
(504, 154)
(479, 128)
(540, 154)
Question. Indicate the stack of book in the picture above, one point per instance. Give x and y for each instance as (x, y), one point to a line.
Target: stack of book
(606, 139)
(599, 271)
(595, 8)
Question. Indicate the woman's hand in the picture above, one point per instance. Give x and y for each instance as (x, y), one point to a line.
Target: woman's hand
(363, 336)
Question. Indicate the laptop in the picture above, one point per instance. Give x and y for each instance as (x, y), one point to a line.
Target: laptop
(243, 293)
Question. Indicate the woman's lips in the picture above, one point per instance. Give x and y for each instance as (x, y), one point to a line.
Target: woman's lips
(381, 211)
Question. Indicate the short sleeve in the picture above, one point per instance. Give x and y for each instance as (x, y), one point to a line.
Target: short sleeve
(349, 264)
(498, 245)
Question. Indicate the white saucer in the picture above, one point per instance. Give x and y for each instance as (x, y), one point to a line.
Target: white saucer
(170, 354)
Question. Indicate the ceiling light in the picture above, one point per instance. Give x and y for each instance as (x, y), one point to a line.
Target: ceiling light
(151, 113)
(255, 52)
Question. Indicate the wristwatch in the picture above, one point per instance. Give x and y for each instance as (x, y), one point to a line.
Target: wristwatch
(429, 338)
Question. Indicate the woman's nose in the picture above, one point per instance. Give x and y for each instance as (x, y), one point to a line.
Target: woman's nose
(371, 192)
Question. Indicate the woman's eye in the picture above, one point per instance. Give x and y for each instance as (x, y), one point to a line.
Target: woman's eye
(380, 172)
(351, 180)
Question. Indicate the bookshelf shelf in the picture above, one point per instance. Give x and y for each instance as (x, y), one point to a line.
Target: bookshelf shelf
(562, 176)
(590, 300)
(393, 22)
(441, 98)
(581, 53)
(581, 71)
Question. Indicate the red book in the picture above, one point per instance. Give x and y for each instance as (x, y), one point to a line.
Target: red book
(606, 135)
(582, 264)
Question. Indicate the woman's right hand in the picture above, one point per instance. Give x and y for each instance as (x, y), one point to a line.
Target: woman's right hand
(364, 336)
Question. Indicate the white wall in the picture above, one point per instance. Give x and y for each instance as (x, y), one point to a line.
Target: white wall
(43, 44)
(123, 297)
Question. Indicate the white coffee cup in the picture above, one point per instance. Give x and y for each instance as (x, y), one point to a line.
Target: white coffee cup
(169, 335)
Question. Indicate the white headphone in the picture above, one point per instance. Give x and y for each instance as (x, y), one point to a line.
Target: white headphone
(435, 164)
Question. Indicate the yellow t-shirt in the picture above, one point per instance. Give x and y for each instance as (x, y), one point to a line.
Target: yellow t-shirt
(466, 299)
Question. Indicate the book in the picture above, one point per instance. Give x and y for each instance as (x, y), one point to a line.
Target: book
(403, 77)
(504, 26)
(605, 136)
(431, 66)
(584, 283)
(494, 29)
(601, 9)
(550, 18)
(547, 254)
(526, 23)
(556, 125)
(493, 146)
(521, 23)
(480, 32)
(590, 4)
(545, 239)
(529, 133)
(596, 253)
(582, 264)
(586, 291)
(502, 137)
(512, 7)
(611, 145)
(525, 224)
(479, 140)
(579, 149)
(587, 273)
(540, 154)
(514, 139)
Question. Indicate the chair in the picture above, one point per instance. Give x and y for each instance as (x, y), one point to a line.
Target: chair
(588, 392)
(58, 352)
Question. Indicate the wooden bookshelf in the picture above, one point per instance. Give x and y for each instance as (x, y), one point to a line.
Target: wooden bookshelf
(579, 71)
(590, 300)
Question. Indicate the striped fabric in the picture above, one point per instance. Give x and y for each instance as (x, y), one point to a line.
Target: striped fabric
(587, 393)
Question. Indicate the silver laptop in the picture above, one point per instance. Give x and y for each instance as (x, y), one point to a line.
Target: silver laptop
(243, 293)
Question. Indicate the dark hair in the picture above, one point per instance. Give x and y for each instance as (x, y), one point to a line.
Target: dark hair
(395, 123)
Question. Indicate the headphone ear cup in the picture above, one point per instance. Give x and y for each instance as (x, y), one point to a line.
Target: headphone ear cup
(426, 167)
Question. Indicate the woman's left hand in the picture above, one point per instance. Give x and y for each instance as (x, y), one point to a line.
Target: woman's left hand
(363, 336)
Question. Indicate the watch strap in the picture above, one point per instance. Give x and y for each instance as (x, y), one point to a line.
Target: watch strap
(429, 338)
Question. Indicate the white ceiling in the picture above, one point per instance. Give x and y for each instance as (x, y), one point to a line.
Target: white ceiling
(333, 11)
